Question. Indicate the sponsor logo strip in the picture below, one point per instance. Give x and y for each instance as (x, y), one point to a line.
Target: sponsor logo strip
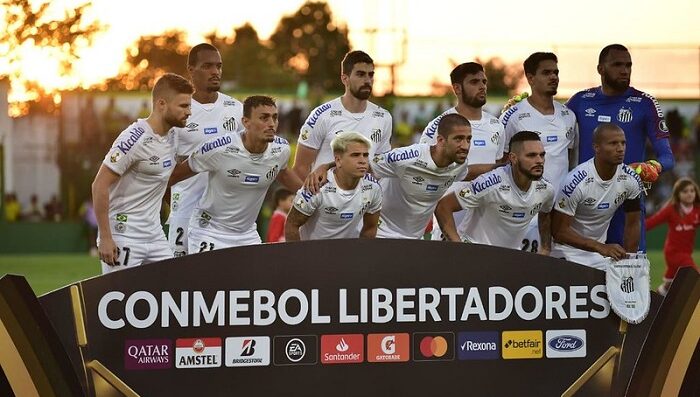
(521, 344)
(342, 349)
(565, 343)
(248, 351)
(387, 348)
(198, 353)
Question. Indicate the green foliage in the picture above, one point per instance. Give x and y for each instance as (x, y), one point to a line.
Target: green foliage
(503, 78)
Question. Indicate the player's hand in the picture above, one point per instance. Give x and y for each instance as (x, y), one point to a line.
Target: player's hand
(513, 100)
(648, 171)
(614, 251)
(108, 251)
(316, 179)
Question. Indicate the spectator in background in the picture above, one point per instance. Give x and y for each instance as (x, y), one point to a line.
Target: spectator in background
(87, 212)
(682, 213)
(34, 213)
(53, 210)
(13, 209)
(283, 202)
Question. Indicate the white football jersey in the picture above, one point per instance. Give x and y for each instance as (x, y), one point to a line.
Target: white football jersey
(327, 120)
(337, 213)
(208, 121)
(412, 185)
(592, 202)
(557, 131)
(144, 160)
(501, 212)
(488, 138)
(237, 182)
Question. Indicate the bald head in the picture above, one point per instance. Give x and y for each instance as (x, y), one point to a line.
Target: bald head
(604, 130)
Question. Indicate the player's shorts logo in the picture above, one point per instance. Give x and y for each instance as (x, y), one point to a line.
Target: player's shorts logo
(120, 227)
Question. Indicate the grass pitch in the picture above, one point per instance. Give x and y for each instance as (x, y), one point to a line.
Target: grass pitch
(47, 272)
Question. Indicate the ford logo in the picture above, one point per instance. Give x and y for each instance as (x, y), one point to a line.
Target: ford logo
(566, 343)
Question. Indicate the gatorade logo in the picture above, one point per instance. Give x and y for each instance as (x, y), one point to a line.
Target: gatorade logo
(433, 346)
(521, 344)
(383, 348)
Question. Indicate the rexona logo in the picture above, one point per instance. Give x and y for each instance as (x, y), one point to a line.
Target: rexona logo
(248, 351)
(295, 350)
(387, 348)
(565, 343)
(148, 354)
(521, 344)
(433, 346)
(478, 345)
(342, 349)
(198, 353)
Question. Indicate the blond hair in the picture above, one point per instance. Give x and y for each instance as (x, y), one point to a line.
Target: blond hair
(339, 144)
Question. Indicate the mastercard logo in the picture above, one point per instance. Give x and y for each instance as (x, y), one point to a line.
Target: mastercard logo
(433, 346)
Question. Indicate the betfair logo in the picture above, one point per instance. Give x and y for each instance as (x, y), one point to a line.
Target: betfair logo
(521, 344)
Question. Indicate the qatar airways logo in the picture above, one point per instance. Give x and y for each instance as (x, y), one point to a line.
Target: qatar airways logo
(134, 136)
(482, 184)
(579, 177)
(393, 157)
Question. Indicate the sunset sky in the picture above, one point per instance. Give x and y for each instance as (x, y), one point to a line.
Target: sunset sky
(438, 31)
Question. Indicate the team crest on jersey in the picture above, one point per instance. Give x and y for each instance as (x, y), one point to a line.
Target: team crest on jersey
(620, 198)
(272, 174)
(304, 134)
(569, 132)
(536, 209)
(562, 203)
(120, 227)
(204, 219)
(230, 124)
(376, 135)
(465, 192)
(115, 156)
(494, 138)
(378, 157)
(624, 115)
(192, 127)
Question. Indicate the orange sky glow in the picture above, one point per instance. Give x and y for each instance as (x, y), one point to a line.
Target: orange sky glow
(663, 37)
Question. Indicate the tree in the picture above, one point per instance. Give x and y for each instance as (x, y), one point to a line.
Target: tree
(152, 56)
(310, 43)
(28, 26)
(249, 63)
(503, 79)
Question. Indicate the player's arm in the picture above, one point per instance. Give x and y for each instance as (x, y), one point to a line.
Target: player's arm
(475, 170)
(289, 179)
(369, 225)
(104, 179)
(295, 220)
(181, 172)
(544, 220)
(657, 133)
(573, 150)
(303, 159)
(563, 233)
(443, 212)
(633, 224)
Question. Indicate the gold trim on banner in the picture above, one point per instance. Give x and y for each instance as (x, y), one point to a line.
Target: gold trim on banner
(76, 301)
(110, 378)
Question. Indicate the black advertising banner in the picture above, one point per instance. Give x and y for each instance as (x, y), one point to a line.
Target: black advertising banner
(348, 318)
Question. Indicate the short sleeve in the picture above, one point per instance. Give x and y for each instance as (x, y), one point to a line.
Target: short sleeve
(382, 167)
(204, 159)
(375, 204)
(306, 202)
(121, 157)
(509, 126)
(313, 132)
(567, 204)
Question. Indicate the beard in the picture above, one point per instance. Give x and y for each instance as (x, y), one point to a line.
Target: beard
(174, 121)
(362, 95)
(614, 84)
(473, 101)
(529, 174)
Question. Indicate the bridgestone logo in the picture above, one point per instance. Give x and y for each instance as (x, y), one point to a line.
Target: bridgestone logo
(247, 361)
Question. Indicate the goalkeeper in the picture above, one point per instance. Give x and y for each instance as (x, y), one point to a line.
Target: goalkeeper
(636, 112)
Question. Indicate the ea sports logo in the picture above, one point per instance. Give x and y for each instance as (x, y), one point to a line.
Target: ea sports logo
(295, 350)
(433, 346)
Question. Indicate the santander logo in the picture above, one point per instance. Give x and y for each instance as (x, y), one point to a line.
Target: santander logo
(342, 346)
